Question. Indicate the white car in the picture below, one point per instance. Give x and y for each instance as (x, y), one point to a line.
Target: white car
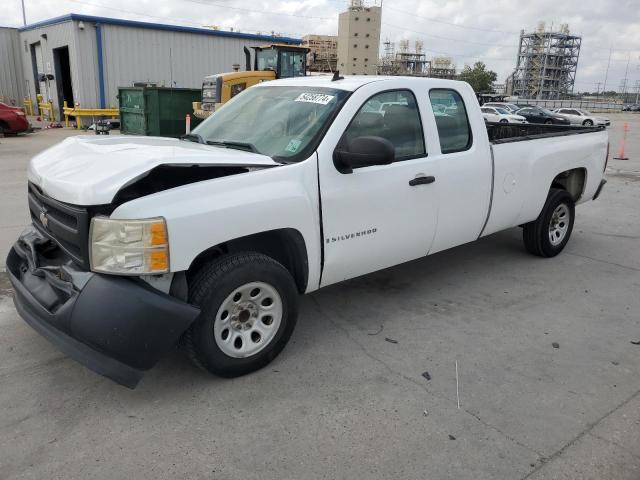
(510, 107)
(500, 115)
(578, 116)
(140, 243)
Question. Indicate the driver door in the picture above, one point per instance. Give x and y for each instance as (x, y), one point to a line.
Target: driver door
(382, 215)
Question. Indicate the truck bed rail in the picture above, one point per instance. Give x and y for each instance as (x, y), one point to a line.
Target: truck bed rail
(517, 132)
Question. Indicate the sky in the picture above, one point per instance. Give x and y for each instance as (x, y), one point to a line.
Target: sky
(466, 30)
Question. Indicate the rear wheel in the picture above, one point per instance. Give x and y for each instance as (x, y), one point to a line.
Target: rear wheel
(249, 306)
(550, 232)
(588, 123)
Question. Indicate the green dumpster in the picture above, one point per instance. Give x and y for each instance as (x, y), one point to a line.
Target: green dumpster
(156, 111)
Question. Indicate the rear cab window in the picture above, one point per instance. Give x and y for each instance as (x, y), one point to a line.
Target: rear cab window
(453, 123)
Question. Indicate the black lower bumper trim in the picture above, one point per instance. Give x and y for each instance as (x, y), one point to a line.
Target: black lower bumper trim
(93, 360)
(116, 326)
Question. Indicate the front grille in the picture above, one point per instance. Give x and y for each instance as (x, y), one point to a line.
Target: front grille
(67, 225)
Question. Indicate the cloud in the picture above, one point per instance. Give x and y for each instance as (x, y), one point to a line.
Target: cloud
(467, 30)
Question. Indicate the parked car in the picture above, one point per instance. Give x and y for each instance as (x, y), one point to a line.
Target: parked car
(578, 116)
(500, 115)
(542, 115)
(139, 243)
(12, 119)
(634, 108)
(511, 107)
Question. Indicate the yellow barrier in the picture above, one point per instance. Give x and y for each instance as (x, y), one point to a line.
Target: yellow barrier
(28, 106)
(87, 112)
(46, 109)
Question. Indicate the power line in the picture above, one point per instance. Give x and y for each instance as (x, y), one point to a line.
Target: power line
(448, 38)
(264, 12)
(451, 24)
(183, 20)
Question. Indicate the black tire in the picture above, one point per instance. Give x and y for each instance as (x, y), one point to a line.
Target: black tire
(536, 234)
(213, 283)
(588, 123)
(504, 121)
(548, 122)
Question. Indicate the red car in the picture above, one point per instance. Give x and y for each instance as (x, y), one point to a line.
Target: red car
(12, 119)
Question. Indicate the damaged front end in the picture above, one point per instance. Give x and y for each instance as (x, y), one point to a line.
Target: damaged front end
(116, 326)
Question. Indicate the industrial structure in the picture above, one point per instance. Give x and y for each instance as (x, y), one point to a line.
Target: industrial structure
(358, 39)
(80, 59)
(323, 56)
(547, 63)
(414, 63)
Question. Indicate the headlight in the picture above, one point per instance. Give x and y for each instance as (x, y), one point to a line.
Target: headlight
(129, 247)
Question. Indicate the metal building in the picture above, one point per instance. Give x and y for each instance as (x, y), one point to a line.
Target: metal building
(90, 57)
(12, 85)
(547, 63)
(359, 39)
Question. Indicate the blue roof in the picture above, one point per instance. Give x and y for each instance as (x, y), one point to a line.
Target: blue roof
(157, 26)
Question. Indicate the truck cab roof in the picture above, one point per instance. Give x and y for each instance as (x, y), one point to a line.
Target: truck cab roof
(353, 82)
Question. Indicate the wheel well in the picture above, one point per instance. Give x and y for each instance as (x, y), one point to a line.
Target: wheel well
(285, 245)
(572, 181)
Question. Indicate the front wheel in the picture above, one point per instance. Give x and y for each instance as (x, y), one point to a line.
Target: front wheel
(549, 233)
(548, 122)
(587, 123)
(504, 120)
(249, 307)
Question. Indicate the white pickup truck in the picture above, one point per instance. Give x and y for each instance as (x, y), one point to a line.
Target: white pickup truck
(138, 244)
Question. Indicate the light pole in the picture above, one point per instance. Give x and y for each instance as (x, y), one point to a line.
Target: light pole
(24, 15)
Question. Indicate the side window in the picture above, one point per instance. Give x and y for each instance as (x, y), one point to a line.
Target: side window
(453, 127)
(392, 115)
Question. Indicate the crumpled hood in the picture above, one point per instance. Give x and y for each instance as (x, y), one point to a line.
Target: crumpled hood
(87, 170)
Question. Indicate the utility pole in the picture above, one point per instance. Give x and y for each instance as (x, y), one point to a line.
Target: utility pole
(598, 88)
(626, 79)
(24, 15)
(637, 90)
(606, 75)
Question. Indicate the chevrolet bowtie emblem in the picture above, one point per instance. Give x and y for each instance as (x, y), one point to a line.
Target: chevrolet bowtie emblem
(44, 219)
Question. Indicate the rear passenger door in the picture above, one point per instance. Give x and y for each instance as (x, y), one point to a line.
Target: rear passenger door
(460, 145)
(382, 215)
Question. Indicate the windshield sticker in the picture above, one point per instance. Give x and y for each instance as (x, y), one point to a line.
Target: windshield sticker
(293, 145)
(319, 98)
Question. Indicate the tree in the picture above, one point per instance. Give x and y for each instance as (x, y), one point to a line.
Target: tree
(478, 77)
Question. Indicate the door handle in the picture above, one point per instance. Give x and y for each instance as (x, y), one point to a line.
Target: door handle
(422, 180)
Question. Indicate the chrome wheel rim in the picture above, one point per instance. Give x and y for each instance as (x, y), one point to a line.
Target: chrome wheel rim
(559, 225)
(248, 319)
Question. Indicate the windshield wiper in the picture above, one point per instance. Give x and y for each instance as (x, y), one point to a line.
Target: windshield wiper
(237, 145)
(193, 137)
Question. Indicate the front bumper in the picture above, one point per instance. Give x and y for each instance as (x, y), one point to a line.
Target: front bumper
(116, 326)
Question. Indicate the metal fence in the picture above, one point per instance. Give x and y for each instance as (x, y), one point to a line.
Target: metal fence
(594, 106)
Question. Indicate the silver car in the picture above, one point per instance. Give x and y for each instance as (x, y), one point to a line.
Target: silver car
(578, 116)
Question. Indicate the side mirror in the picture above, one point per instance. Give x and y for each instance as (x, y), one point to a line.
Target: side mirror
(363, 152)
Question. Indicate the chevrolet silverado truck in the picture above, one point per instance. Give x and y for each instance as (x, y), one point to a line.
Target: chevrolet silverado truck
(139, 244)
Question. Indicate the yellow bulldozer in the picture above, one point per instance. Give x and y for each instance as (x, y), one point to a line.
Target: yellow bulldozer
(270, 62)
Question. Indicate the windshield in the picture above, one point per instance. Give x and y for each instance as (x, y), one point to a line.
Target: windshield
(502, 111)
(544, 110)
(285, 123)
(584, 112)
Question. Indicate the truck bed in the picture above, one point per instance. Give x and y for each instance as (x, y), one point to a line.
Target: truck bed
(518, 132)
